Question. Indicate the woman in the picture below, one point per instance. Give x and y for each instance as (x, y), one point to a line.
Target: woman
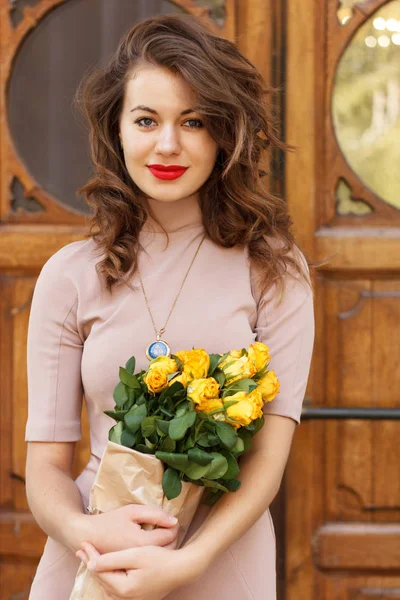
(185, 240)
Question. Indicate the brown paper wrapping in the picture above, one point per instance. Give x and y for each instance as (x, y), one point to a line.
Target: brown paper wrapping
(126, 476)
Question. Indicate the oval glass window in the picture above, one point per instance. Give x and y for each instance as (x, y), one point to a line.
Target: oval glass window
(47, 69)
(366, 103)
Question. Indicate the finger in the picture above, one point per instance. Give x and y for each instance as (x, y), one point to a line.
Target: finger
(81, 555)
(157, 537)
(115, 561)
(92, 555)
(153, 515)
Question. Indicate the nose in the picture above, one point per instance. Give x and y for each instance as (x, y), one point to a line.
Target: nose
(168, 141)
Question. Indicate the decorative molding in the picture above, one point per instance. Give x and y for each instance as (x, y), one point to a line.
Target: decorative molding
(364, 294)
(346, 204)
(17, 10)
(17, 19)
(346, 10)
(21, 202)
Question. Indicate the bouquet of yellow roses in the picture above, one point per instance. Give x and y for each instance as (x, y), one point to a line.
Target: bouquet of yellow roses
(180, 427)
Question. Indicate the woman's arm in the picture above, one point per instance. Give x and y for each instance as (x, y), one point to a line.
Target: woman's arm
(261, 472)
(56, 504)
(53, 497)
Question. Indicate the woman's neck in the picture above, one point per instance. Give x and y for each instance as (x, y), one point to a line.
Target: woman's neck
(178, 215)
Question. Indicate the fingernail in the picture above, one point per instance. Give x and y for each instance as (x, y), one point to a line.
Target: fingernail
(173, 520)
(91, 565)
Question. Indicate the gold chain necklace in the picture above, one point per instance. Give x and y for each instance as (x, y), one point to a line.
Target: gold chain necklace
(160, 347)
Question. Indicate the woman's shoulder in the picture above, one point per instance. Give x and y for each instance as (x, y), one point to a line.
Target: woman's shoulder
(71, 267)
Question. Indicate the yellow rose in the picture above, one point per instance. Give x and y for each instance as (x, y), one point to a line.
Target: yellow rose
(247, 408)
(269, 386)
(156, 380)
(237, 367)
(259, 354)
(195, 362)
(200, 391)
(164, 363)
(183, 378)
(209, 405)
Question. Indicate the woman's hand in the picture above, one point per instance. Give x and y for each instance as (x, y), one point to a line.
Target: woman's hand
(148, 573)
(121, 528)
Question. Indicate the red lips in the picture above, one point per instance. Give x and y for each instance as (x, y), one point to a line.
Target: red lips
(167, 171)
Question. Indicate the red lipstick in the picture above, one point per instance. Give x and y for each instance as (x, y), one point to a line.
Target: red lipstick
(167, 172)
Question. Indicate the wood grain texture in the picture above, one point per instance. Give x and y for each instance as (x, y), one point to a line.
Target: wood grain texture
(355, 546)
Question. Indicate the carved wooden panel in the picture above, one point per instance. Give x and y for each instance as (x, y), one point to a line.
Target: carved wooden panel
(21, 540)
(362, 370)
(44, 148)
(348, 200)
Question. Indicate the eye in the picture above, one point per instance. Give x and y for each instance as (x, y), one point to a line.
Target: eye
(197, 123)
(146, 125)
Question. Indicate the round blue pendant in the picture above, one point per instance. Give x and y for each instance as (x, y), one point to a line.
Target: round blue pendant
(158, 348)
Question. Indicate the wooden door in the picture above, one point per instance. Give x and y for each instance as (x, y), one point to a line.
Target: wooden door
(45, 47)
(343, 187)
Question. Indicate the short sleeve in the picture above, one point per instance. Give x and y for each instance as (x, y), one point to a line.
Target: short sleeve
(54, 352)
(287, 328)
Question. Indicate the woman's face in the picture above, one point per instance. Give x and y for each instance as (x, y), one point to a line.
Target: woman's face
(153, 131)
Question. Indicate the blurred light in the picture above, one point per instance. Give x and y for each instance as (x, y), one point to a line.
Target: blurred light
(384, 41)
(370, 41)
(344, 15)
(379, 23)
(392, 24)
(396, 39)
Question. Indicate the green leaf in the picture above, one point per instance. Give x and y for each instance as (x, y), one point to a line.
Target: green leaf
(177, 360)
(179, 425)
(144, 449)
(223, 357)
(204, 441)
(246, 437)
(199, 456)
(242, 385)
(168, 445)
(212, 496)
(238, 448)
(118, 415)
(233, 484)
(182, 409)
(128, 379)
(120, 394)
(214, 360)
(148, 426)
(176, 461)
(213, 484)
(218, 467)
(229, 403)
(149, 444)
(130, 365)
(134, 417)
(171, 483)
(114, 435)
(233, 467)
(172, 375)
(195, 471)
(128, 438)
(226, 434)
(162, 425)
(189, 443)
(177, 388)
(219, 377)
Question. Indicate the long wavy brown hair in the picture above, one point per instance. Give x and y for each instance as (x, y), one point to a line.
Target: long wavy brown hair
(237, 207)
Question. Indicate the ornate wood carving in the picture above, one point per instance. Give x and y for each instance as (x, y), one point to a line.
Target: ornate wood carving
(17, 19)
(335, 36)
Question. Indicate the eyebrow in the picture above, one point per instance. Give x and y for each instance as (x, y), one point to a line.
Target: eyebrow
(154, 112)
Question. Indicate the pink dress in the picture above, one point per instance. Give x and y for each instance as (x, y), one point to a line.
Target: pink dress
(79, 335)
